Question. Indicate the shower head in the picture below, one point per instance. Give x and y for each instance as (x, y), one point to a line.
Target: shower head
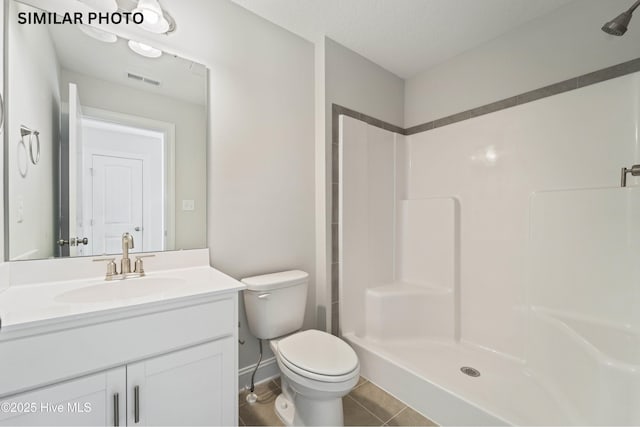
(619, 25)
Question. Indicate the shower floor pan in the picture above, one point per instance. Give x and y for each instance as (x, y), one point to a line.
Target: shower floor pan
(427, 375)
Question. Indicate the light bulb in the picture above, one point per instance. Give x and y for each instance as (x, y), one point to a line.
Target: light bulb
(144, 49)
(150, 17)
(154, 20)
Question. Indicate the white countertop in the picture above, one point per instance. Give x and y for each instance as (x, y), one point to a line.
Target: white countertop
(38, 305)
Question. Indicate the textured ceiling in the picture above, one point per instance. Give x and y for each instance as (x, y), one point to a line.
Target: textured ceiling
(403, 36)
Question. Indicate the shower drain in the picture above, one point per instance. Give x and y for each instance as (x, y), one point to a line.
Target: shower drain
(467, 370)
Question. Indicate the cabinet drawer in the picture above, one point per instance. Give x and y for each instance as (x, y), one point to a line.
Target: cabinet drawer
(34, 361)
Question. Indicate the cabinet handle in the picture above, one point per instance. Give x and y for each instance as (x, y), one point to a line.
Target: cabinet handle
(136, 404)
(116, 409)
(1, 112)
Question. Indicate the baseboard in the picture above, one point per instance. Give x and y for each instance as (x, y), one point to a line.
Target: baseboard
(268, 370)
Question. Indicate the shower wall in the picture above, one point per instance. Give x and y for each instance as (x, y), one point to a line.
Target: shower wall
(398, 191)
(400, 256)
(369, 165)
(494, 163)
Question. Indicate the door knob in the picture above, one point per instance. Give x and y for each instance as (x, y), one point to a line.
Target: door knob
(74, 241)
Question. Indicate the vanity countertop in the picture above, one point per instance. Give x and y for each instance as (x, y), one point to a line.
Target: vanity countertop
(34, 307)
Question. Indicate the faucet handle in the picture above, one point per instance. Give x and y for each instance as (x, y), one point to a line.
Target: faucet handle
(138, 266)
(111, 267)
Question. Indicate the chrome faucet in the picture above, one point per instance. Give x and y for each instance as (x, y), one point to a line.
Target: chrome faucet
(127, 243)
(125, 263)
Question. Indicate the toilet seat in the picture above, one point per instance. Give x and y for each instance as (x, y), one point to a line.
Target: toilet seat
(319, 356)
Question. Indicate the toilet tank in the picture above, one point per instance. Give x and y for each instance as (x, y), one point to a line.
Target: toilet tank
(275, 303)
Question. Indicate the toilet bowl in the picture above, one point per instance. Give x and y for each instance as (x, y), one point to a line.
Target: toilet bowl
(317, 369)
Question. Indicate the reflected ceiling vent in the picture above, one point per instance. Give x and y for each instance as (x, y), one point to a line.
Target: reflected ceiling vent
(140, 78)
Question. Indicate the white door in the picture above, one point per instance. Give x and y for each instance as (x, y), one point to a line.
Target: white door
(95, 400)
(116, 203)
(74, 156)
(187, 387)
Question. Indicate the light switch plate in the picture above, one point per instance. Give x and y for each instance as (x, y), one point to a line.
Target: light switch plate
(20, 213)
(188, 205)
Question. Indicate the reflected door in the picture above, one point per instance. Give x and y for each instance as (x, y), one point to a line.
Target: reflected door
(117, 199)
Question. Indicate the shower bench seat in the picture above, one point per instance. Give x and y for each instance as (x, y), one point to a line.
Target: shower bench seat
(402, 310)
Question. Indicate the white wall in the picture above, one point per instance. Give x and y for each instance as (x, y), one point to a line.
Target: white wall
(261, 176)
(190, 146)
(33, 101)
(355, 82)
(555, 47)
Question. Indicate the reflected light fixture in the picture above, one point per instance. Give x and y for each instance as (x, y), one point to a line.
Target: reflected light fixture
(98, 34)
(101, 5)
(155, 20)
(144, 49)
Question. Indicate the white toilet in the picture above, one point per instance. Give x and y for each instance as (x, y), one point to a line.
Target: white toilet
(317, 368)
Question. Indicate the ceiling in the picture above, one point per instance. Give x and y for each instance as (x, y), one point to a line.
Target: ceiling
(179, 78)
(403, 36)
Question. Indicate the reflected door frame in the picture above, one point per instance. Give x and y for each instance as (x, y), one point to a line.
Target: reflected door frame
(168, 129)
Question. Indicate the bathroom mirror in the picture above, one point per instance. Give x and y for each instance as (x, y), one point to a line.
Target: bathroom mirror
(99, 141)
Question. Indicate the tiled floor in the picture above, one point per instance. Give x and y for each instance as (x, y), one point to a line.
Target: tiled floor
(366, 405)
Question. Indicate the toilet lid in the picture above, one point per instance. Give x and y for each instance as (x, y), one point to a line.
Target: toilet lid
(318, 352)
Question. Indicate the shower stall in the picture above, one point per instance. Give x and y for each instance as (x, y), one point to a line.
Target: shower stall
(490, 268)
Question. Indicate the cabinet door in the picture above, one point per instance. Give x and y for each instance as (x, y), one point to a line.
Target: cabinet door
(194, 386)
(95, 400)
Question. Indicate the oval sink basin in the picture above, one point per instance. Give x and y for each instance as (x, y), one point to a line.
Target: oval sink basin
(120, 290)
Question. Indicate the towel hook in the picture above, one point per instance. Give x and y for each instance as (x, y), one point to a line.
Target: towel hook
(24, 131)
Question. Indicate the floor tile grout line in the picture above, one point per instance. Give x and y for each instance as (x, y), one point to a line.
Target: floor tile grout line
(399, 412)
(358, 386)
(387, 393)
(363, 407)
(407, 406)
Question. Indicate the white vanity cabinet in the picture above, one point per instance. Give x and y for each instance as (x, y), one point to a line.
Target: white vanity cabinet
(185, 387)
(93, 400)
(188, 387)
(172, 363)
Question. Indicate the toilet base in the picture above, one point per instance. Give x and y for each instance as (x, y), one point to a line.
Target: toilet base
(285, 410)
(310, 412)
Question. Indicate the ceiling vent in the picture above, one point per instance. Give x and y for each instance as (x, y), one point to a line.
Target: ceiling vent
(143, 79)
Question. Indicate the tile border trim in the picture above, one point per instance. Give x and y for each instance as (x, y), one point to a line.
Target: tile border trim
(581, 81)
